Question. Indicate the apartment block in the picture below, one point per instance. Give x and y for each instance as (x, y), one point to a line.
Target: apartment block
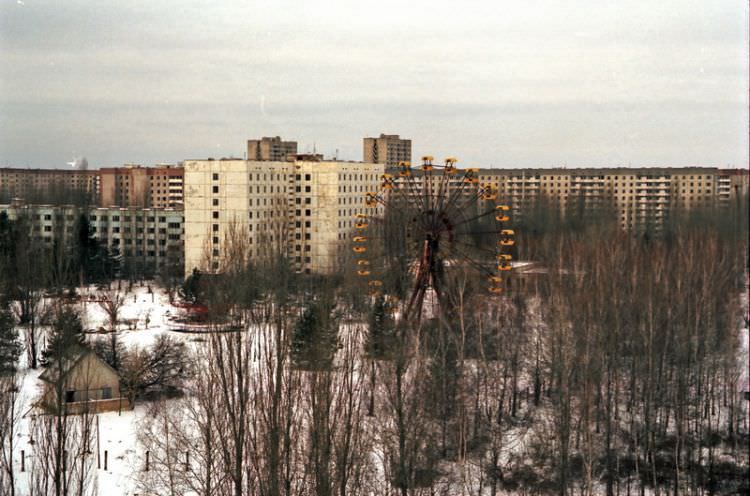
(641, 197)
(147, 238)
(303, 209)
(270, 148)
(137, 186)
(48, 185)
(388, 149)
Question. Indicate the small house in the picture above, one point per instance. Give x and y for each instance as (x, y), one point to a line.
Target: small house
(82, 382)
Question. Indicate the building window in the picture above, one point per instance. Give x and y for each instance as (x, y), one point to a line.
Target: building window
(215, 215)
(215, 227)
(215, 189)
(215, 202)
(106, 393)
(215, 177)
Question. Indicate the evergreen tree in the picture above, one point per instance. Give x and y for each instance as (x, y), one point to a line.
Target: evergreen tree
(67, 332)
(191, 288)
(92, 260)
(10, 347)
(382, 331)
(315, 337)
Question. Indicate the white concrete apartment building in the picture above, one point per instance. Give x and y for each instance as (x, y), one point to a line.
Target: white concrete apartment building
(147, 237)
(301, 209)
(641, 196)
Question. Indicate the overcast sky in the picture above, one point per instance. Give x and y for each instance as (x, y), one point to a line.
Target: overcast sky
(496, 83)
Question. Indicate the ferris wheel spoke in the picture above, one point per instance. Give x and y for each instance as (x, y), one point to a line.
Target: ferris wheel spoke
(481, 268)
(443, 191)
(466, 201)
(452, 196)
(414, 191)
(476, 217)
(480, 248)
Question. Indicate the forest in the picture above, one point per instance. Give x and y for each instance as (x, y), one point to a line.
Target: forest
(616, 367)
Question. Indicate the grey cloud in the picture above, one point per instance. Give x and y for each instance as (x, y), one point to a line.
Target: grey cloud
(536, 83)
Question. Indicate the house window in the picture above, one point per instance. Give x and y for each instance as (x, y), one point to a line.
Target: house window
(106, 393)
(70, 396)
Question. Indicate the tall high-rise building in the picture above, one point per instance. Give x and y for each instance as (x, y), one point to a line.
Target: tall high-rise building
(302, 209)
(388, 149)
(273, 149)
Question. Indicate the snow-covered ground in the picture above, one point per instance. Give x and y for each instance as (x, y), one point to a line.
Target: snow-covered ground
(148, 314)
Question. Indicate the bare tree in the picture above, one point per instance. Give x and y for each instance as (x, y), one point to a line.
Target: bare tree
(10, 416)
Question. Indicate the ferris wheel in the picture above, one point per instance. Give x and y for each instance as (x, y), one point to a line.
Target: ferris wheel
(425, 222)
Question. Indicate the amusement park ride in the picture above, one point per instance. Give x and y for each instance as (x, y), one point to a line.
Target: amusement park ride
(424, 222)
